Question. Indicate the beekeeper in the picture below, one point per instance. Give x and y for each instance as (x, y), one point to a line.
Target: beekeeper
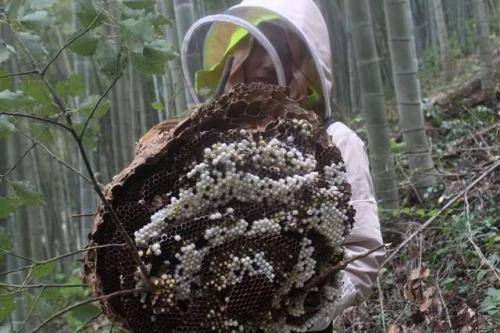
(286, 42)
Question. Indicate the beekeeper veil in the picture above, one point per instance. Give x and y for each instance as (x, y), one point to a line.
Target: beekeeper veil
(272, 41)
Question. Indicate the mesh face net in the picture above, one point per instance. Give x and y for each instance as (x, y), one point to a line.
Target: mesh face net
(234, 213)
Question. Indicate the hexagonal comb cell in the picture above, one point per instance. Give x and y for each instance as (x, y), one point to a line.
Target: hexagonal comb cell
(233, 213)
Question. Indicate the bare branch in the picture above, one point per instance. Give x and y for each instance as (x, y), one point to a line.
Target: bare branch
(57, 159)
(20, 256)
(42, 285)
(41, 119)
(90, 300)
(85, 324)
(99, 101)
(35, 303)
(34, 71)
(68, 43)
(59, 257)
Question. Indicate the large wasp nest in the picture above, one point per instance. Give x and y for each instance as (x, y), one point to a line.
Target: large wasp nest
(233, 213)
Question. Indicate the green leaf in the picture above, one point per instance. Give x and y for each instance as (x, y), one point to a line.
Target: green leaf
(5, 51)
(87, 12)
(7, 305)
(157, 106)
(41, 132)
(81, 315)
(142, 64)
(5, 241)
(40, 93)
(139, 4)
(110, 57)
(38, 20)
(6, 82)
(34, 44)
(52, 294)
(38, 90)
(7, 207)
(480, 276)
(26, 194)
(73, 86)
(39, 271)
(10, 100)
(136, 33)
(85, 45)
(159, 51)
(89, 104)
(91, 133)
(6, 126)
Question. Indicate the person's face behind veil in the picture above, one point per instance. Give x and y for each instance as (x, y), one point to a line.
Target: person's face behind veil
(253, 64)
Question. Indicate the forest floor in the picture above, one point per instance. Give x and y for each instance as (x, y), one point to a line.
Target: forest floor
(447, 278)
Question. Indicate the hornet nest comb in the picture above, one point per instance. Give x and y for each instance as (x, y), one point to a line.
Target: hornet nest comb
(233, 213)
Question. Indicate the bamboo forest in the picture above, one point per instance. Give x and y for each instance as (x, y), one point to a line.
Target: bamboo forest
(249, 166)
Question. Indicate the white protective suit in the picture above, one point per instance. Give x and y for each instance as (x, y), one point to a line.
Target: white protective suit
(304, 18)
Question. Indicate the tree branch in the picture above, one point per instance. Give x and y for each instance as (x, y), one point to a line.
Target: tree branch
(41, 119)
(58, 257)
(99, 101)
(91, 300)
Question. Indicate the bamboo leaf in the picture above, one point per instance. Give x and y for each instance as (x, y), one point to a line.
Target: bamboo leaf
(85, 45)
(26, 194)
(7, 305)
(6, 126)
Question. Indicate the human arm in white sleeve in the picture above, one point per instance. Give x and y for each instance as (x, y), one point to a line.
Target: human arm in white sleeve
(359, 275)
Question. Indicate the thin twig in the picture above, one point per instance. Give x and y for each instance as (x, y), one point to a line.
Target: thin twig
(17, 255)
(60, 257)
(68, 43)
(57, 159)
(441, 211)
(478, 251)
(34, 71)
(83, 215)
(99, 101)
(90, 300)
(85, 324)
(381, 302)
(42, 285)
(41, 119)
(18, 161)
(33, 307)
(440, 294)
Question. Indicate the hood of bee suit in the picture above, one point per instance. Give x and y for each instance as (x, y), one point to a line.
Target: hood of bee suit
(301, 17)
